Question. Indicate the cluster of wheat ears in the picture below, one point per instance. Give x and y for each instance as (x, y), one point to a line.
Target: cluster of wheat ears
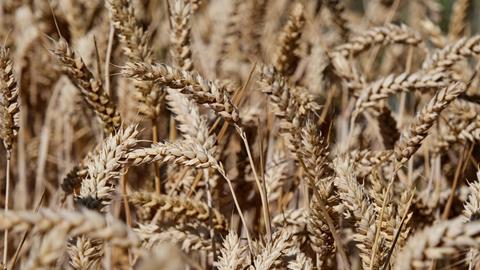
(239, 134)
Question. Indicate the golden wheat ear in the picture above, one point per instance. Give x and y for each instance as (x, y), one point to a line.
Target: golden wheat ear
(9, 101)
(90, 87)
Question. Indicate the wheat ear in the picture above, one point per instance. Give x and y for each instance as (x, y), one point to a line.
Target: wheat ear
(201, 90)
(85, 222)
(9, 117)
(104, 168)
(445, 58)
(84, 253)
(381, 89)
(287, 59)
(182, 209)
(232, 253)
(9, 101)
(273, 250)
(412, 138)
(91, 88)
(151, 235)
(180, 35)
(381, 35)
(458, 18)
(436, 242)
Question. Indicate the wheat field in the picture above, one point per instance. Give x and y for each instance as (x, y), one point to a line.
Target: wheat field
(239, 134)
